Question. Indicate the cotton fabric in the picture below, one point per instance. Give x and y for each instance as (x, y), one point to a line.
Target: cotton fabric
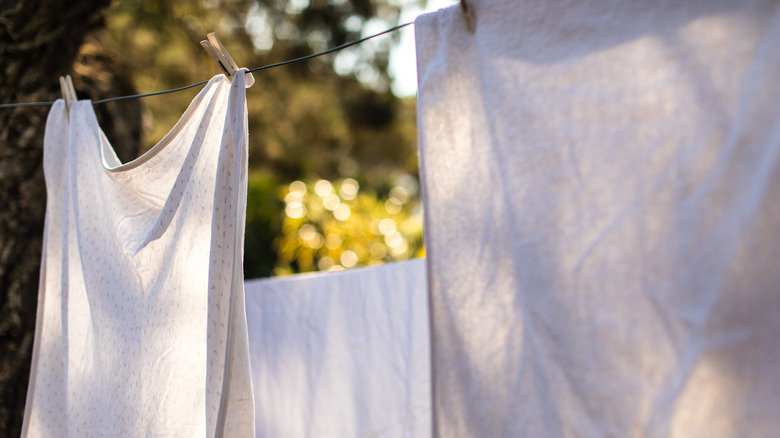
(601, 182)
(141, 327)
(341, 354)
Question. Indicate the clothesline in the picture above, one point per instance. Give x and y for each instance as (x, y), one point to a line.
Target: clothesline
(265, 67)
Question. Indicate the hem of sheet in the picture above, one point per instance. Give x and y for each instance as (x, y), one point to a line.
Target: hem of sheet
(165, 141)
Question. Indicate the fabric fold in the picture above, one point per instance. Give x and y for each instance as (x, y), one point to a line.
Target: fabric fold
(600, 181)
(141, 301)
(341, 354)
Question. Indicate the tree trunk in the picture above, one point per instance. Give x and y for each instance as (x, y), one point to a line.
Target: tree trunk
(39, 41)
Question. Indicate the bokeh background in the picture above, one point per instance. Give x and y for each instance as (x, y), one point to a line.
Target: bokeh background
(333, 156)
(333, 161)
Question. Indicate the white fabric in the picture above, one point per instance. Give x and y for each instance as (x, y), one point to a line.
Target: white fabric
(341, 354)
(601, 187)
(141, 327)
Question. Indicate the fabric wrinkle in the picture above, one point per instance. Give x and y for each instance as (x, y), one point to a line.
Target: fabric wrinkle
(124, 353)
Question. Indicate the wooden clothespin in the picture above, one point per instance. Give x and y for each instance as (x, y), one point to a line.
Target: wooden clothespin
(468, 15)
(68, 92)
(220, 55)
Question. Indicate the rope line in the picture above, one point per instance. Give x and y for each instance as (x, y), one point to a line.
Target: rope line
(265, 67)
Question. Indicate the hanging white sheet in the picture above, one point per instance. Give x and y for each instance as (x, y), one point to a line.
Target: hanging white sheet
(141, 328)
(601, 185)
(341, 354)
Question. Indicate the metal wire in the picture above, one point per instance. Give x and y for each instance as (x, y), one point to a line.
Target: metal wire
(18, 105)
(136, 96)
(265, 67)
(329, 51)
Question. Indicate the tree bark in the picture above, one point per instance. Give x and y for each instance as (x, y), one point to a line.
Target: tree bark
(39, 41)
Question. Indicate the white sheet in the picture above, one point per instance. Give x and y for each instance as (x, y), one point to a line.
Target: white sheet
(141, 329)
(601, 189)
(341, 354)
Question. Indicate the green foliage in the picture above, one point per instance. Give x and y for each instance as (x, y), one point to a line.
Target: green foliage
(332, 226)
(307, 121)
(263, 224)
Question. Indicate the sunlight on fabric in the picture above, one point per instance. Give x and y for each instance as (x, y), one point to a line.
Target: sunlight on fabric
(403, 67)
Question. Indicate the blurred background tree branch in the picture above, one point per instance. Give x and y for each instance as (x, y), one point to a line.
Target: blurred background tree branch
(332, 118)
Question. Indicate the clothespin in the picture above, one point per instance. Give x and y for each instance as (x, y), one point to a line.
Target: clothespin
(468, 15)
(68, 92)
(220, 55)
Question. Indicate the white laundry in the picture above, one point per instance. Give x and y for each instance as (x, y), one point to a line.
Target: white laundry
(601, 190)
(341, 354)
(141, 328)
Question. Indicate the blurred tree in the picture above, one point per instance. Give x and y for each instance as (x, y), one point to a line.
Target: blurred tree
(335, 226)
(305, 118)
(39, 41)
(331, 117)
